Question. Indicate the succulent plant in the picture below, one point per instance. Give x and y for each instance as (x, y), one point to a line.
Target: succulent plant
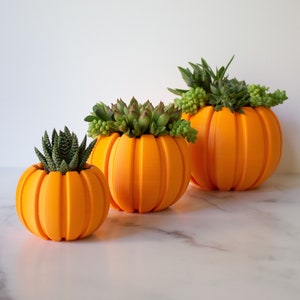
(63, 153)
(207, 87)
(136, 119)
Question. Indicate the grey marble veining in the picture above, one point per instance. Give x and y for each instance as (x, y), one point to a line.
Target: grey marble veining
(209, 245)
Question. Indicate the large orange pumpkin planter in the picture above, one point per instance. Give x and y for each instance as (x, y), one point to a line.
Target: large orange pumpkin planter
(239, 138)
(66, 204)
(233, 150)
(147, 172)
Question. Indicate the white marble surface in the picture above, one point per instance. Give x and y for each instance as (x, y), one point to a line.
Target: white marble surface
(209, 245)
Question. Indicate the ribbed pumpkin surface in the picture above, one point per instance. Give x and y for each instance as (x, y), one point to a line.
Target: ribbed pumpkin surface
(144, 174)
(234, 151)
(62, 207)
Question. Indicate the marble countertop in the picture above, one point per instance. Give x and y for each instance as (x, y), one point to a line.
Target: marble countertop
(209, 245)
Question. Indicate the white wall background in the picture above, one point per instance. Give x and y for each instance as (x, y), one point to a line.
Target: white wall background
(59, 57)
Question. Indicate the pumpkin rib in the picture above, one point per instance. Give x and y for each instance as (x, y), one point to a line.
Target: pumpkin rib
(175, 164)
(241, 152)
(43, 175)
(186, 163)
(50, 206)
(265, 152)
(75, 205)
(131, 173)
(147, 179)
(170, 154)
(64, 207)
(88, 209)
(93, 180)
(164, 174)
(121, 166)
(199, 151)
(223, 151)
(250, 163)
(30, 202)
(20, 192)
(273, 143)
(108, 175)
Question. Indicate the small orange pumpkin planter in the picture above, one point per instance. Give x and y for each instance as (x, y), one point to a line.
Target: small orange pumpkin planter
(62, 207)
(62, 197)
(144, 174)
(234, 151)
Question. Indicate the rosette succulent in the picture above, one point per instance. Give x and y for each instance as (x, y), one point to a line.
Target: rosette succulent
(214, 88)
(136, 119)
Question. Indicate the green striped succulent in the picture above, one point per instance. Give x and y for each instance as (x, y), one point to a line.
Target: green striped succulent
(136, 119)
(63, 153)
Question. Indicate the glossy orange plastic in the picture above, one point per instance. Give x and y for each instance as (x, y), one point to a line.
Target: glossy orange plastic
(62, 207)
(234, 151)
(144, 174)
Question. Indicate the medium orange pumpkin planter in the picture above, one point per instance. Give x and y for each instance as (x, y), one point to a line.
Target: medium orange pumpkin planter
(234, 151)
(239, 137)
(144, 174)
(143, 152)
(62, 205)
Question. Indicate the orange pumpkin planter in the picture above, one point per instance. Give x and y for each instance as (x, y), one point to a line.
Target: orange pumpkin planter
(62, 207)
(144, 174)
(142, 152)
(239, 137)
(233, 150)
(63, 197)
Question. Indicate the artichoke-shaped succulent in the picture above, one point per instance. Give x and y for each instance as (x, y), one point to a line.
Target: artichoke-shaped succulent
(208, 87)
(63, 153)
(136, 119)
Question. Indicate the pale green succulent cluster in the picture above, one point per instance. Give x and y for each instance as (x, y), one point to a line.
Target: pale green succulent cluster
(208, 87)
(63, 153)
(136, 119)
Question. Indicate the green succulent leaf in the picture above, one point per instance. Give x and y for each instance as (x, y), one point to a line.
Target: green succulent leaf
(42, 158)
(47, 147)
(57, 159)
(63, 168)
(85, 155)
(73, 148)
(90, 118)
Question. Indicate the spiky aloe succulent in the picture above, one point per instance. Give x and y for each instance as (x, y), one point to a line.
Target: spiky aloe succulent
(136, 119)
(63, 153)
(207, 87)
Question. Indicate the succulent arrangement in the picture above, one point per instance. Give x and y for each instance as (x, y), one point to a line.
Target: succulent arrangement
(208, 87)
(63, 153)
(136, 119)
